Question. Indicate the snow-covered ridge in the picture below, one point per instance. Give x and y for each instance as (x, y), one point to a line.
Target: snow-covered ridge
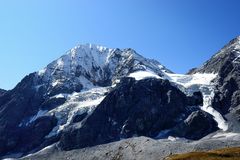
(90, 66)
(233, 45)
(82, 58)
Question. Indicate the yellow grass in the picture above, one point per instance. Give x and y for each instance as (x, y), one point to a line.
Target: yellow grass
(220, 154)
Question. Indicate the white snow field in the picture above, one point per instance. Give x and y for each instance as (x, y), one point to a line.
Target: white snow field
(139, 75)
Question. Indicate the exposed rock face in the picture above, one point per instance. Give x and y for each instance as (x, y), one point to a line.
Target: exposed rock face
(86, 97)
(82, 68)
(35, 133)
(197, 125)
(223, 59)
(226, 63)
(2, 91)
(17, 104)
(137, 108)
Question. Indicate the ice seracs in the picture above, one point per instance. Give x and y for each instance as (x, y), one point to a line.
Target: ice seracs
(76, 104)
(200, 82)
(189, 80)
(207, 107)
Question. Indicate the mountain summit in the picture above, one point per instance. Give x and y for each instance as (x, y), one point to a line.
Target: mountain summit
(63, 93)
(94, 95)
(88, 66)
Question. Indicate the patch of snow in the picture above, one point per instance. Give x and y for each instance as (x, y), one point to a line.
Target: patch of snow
(38, 86)
(161, 66)
(55, 83)
(41, 151)
(39, 114)
(171, 138)
(61, 95)
(189, 80)
(163, 134)
(237, 59)
(13, 156)
(41, 72)
(225, 135)
(139, 75)
(207, 107)
(86, 83)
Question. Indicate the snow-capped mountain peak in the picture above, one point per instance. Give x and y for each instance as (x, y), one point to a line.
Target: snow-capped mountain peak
(86, 98)
(88, 66)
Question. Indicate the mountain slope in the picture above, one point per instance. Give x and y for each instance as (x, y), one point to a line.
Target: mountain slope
(227, 95)
(2, 91)
(136, 108)
(67, 91)
(88, 66)
(95, 95)
(228, 55)
(140, 148)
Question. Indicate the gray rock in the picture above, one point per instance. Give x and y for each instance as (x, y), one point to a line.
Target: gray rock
(2, 91)
(135, 108)
(197, 125)
(139, 148)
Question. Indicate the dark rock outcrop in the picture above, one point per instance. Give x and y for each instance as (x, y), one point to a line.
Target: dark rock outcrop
(197, 125)
(133, 108)
(196, 99)
(79, 117)
(34, 135)
(17, 107)
(84, 67)
(2, 91)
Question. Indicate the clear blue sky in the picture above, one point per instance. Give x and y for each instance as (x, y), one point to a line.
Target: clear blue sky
(181, 34)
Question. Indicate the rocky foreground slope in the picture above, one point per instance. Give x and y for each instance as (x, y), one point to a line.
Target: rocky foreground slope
(140, 148)
(94, 95)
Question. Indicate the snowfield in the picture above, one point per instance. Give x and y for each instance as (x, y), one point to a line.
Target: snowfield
(189, 80)
(139, 75)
